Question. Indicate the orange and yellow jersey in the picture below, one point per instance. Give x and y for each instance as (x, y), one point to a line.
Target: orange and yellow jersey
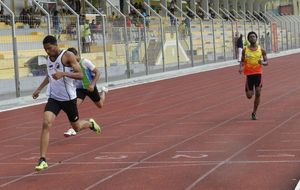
(251, 61)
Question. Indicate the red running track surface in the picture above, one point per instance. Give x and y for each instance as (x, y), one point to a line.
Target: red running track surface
(190, 132)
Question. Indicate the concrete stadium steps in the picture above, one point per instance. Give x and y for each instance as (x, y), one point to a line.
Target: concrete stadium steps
(23, 38)
(9, 63)
(22, 53)
(4, 26)
(208, 40)
(9, 73)
(22, 31)
(116, 53)
(33, 37)
(21, 25)
(30, 43)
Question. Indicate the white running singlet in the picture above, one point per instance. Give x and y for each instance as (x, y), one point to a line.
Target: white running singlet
(62, 89)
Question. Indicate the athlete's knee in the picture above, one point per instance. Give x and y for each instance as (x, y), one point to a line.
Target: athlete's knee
(249, 95)
(47, 124)
(48, 120)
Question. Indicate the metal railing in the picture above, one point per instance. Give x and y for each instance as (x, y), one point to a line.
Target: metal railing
(213, 32)
(265, 27)
(161, 33)
(223, 30)
(201, 33)
(188, 22)
(15, 49)
(206, 41)
(46, 13)
(176, 31)
(144, 36)
(103, 37)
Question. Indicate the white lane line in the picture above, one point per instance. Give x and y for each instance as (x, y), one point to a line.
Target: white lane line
(190, 156)
(30, 158)
(55, 153)
(258, 121)
(184, 151)
(30, 139)
(276, 150)
(106, 157)
(102, 137)
(231, 134)
(191, 186)
(79, 144)
(136, 125)
(143, 143)
(216, 142)
(276, 155)
(140, 152)
(12, 146)
(290, 141)
(23, 106)
(163, 136)
(293, 133)
(298, 186)
(37, 127)
(195, 123)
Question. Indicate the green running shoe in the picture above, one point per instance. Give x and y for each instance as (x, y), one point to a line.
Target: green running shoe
(95, 127)
(41, 166)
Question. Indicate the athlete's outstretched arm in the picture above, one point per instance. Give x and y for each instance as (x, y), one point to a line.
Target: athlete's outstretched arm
(36, 93)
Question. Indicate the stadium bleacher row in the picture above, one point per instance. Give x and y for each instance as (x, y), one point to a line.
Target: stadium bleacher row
(29, 41)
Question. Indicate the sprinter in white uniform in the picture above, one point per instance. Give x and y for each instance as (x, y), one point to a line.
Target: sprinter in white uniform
(62, 69)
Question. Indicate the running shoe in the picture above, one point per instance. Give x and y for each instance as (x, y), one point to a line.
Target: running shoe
(95, 127)
(70, 132)
(253, 116)
(41, 166)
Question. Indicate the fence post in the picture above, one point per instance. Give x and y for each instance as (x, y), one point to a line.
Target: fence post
(265, 27)
(48, 16)
(176, 28)
(126, 38)
(190, 32)
(145, 35)
(161, 35)
(104, 37)
(15, 49)
(201, 33)
(78, 26)
(223, 26)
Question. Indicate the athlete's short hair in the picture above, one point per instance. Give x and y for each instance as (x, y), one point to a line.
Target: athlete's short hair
(50, 40)
(73, 50)
(252, 32)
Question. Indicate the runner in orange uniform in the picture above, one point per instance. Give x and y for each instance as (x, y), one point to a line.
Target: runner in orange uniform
(253, 57)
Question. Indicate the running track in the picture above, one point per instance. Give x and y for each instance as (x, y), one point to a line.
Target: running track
(190, 132)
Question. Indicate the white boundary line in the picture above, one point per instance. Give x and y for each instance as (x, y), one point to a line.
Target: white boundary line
(298, 186)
